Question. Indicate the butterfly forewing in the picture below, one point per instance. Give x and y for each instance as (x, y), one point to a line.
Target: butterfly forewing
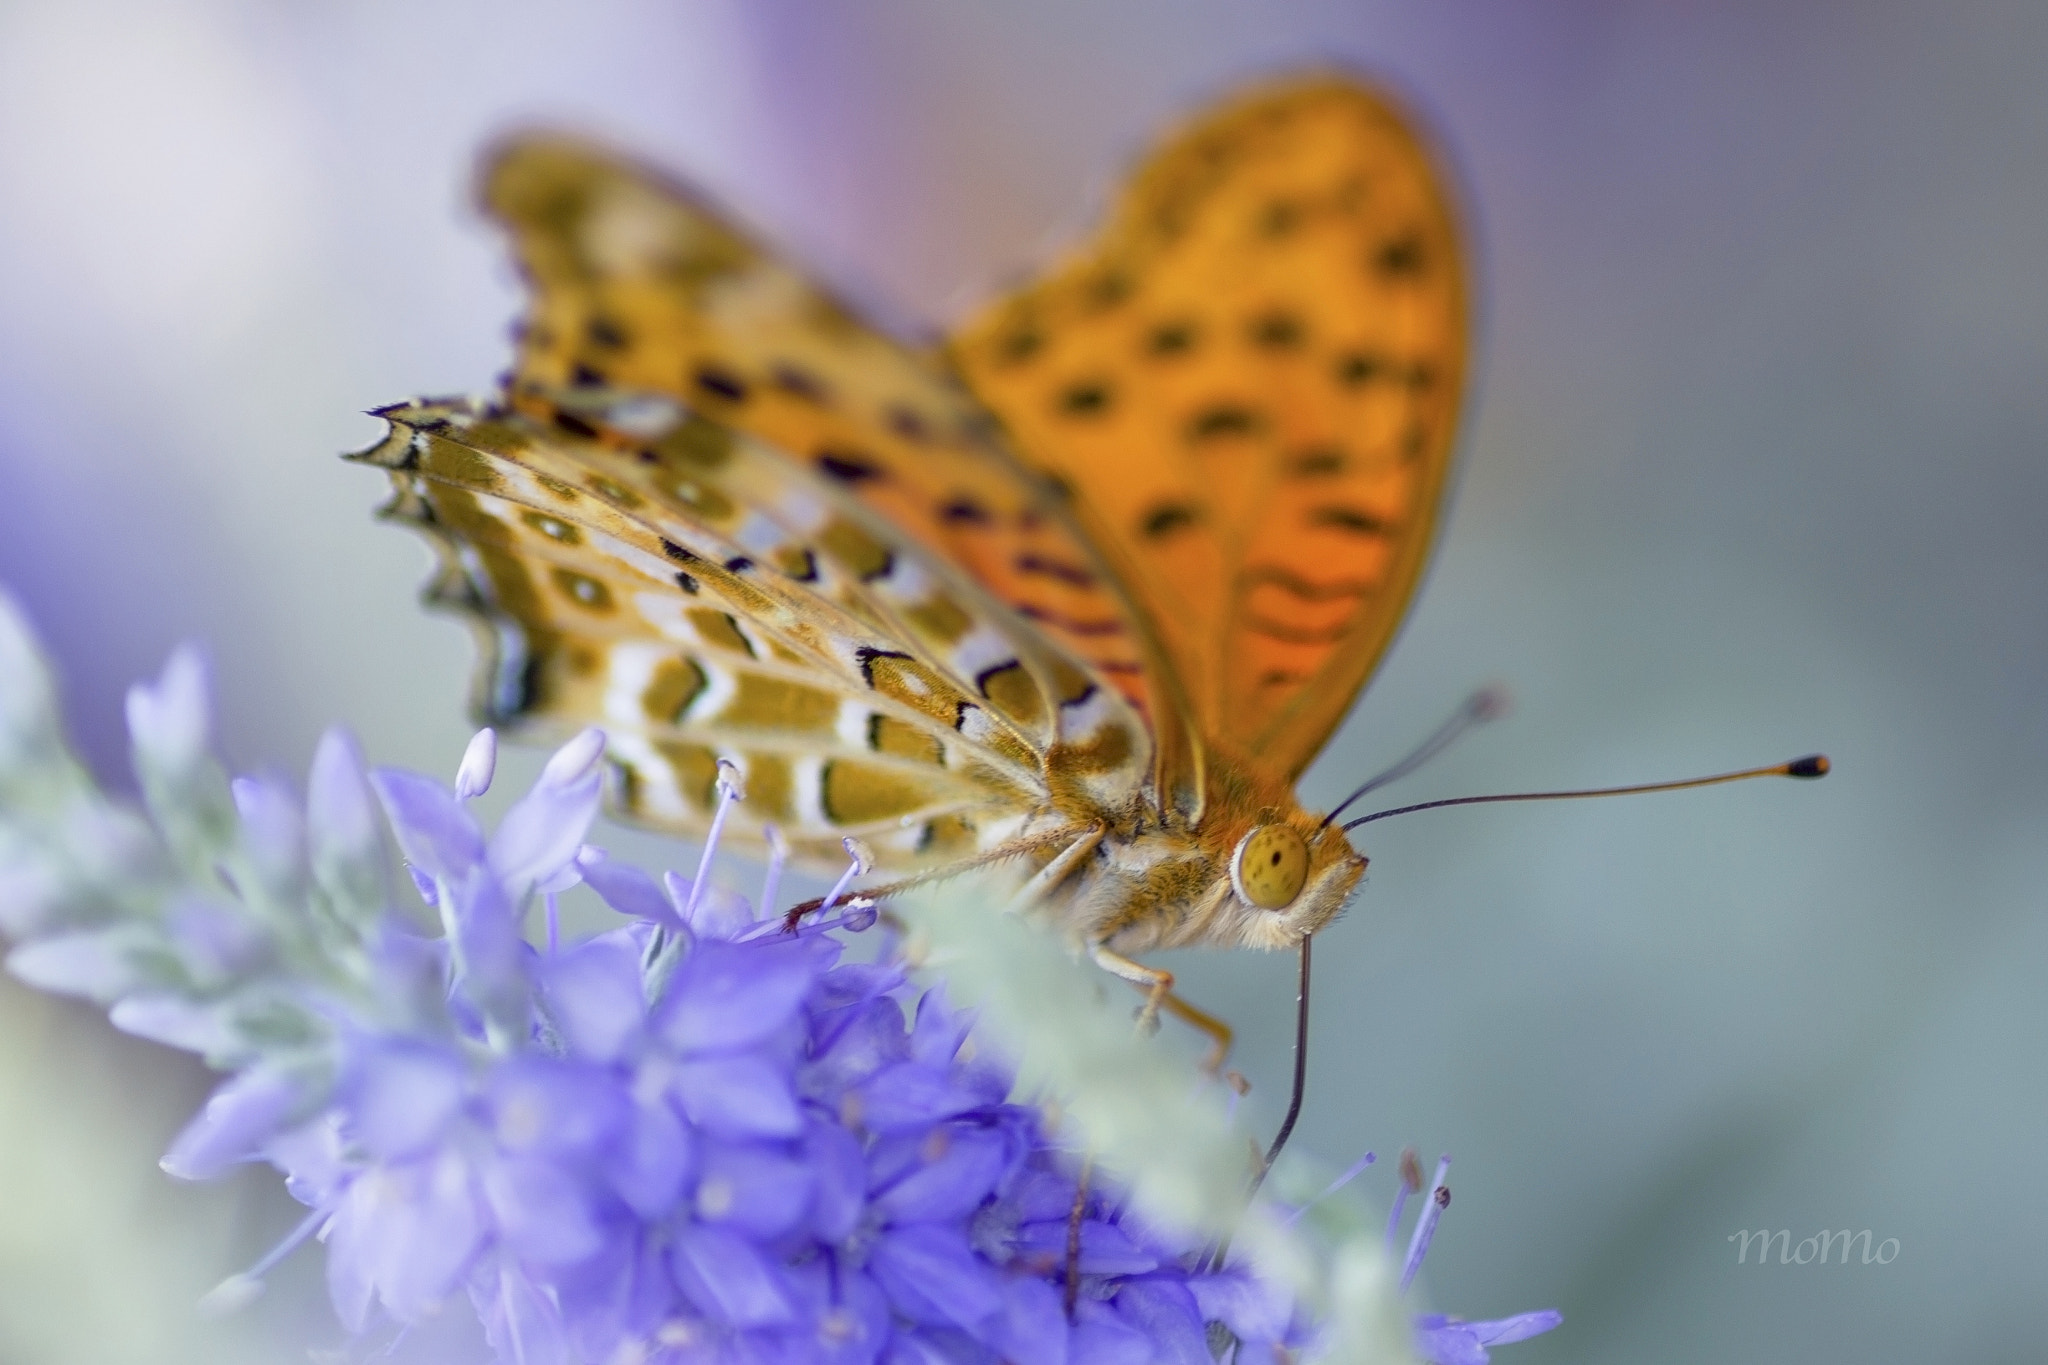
(1251, 380)
(639, 286)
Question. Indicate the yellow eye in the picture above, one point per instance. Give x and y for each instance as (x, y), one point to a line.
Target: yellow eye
(1270, 866)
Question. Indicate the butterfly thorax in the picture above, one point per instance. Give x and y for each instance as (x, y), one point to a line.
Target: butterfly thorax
(1164, 879)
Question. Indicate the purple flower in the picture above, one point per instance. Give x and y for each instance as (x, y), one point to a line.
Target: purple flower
(691, 1137)
(1445, 1340)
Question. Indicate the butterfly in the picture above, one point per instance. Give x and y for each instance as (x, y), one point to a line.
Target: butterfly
(1081, 589)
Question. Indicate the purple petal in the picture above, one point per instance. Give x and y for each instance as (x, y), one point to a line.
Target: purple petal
(237, 1119)
(520, 1319)
(176, 1021)
(341, 811)
(312, 1157)
(626, 888)
(743, 1096)
(619, 1297)
(728, 1278)
(215, 942)
(938, 1032)
(726, 996)
(1254, 1309)
(170, 720)
(1105, 1248)
(932, 1275)
(851, 1045)
(401, 1096)
(97, 964)
(910, 1095)
(721, 913)
(406, 1232)
(434, 831)
(273, 830)
(959, 1170)
(575, 761)
(543, 831)
(479, 765)
(1449, 1343)
(542, 1210)
(1164, 1313)
(490, 955)
(1520, 1327)
(1033, 1327)
(840, 1167)
(33, 892)
(655, 1155)
(1101, 1339)
(541, 1104)
(592, 992)
(752, 1190)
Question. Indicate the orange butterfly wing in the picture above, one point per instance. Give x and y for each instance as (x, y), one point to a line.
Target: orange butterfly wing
(639, 286)
(1251, 379)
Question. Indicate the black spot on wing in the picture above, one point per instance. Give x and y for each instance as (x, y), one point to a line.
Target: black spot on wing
(720, 382)
(605, 333)
(1399, 257)
(1302, 587)
(1170, 339)
(1019, 346)
(1044, 566)
(850, 466)
(864, 659)
(1088, 398)
(1296, 635)
(1072, 625)
(1168, 517)
(1354, 368)
(1350, 520)
(584, 377)
(1223, 420)
(964, 510)
(1275, 331)
(574, 425)
(1318, 462)
(1278, 218)
(909, 424)
(799, 382)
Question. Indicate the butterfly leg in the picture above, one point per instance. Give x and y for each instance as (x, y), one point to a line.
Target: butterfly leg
(1157, 983)
(1054, 839)
(1075, 1215)
(1060, 868)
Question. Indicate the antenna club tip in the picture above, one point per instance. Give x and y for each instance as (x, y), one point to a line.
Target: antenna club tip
(1490, 702)
(1813, 765)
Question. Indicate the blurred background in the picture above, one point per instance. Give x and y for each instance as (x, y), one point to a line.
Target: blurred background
(1755, 467)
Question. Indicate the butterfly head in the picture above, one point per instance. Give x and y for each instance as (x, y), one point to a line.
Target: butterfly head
(1289, 877)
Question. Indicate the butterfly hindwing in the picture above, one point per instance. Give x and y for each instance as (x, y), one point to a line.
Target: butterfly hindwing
(1251, 380)
(610, 584)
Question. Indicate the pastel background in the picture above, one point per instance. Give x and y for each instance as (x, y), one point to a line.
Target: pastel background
(1758, 464)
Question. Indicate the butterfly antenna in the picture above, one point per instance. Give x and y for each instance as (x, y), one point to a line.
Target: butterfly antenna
(1294, 1099)
(1486, 704)
(1214, 1257)
(1813, 765)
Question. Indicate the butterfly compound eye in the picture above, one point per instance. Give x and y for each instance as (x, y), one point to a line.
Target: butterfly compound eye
(1270, 866)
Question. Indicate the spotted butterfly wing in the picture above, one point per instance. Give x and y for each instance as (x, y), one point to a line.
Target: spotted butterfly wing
(640, 286)
(1251, 380)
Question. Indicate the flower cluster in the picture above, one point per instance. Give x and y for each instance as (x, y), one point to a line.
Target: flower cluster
(694, 1136)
